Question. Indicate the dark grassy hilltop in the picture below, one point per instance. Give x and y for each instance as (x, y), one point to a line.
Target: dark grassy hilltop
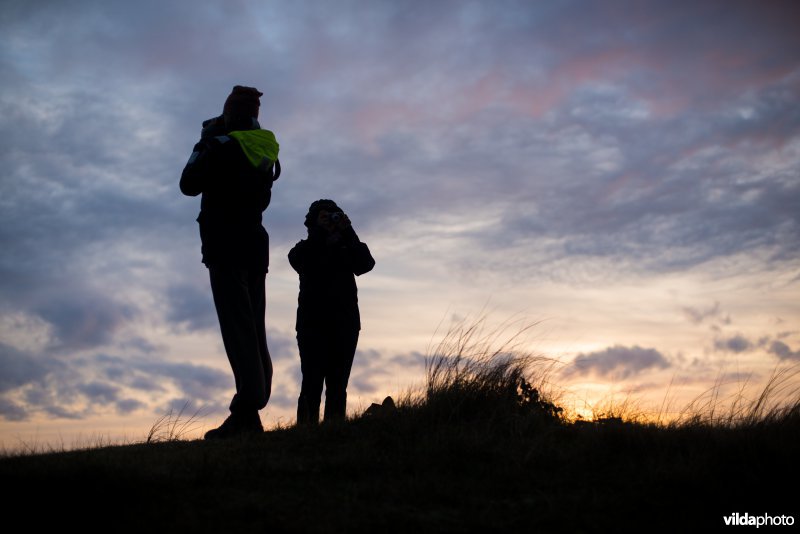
(478, 449)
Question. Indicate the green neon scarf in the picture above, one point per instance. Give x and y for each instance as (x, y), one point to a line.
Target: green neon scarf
(257, 145)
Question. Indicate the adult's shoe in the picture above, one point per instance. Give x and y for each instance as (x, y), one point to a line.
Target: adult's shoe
(237, 424)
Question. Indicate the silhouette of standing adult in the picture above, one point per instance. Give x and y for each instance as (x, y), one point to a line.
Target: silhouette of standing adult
(328, 319)
(233, 167)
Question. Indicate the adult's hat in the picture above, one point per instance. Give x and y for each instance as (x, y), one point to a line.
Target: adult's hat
(243, 101)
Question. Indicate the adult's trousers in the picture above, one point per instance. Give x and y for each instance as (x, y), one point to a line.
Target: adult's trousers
(240, 300)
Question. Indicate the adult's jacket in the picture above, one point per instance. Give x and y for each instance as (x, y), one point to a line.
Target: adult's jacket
(234, 173)
(328, 294)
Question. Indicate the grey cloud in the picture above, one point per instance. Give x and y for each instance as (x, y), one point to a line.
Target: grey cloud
(191, 306)
(37, 380)
(735, 344)
(18, 368)
(76, 389)
(282, 346)
(176, 40)
(12, 411)
(104, 394)
(681, 54)
(197, 382)
(661, 221)
(653, 209)
(127, 406)
(60, 412)
(369, 366)
(59, 384)
(56, 399)
(408, 360)
(738, 344)
(283, 397)
(139, 345)
(373, 369)
(363, 383)
(99, 392)
(783, 351)
(113, 368)
(83, 320)
(618, 361)
(147, 383)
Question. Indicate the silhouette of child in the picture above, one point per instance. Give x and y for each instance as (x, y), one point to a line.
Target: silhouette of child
(328, 319)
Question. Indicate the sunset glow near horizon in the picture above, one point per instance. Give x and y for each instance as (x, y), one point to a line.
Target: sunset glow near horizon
(623, 176)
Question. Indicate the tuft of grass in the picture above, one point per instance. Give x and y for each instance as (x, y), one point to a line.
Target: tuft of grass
(726, 404)
(36, 447)
(477, 373)
(777, 400)
(173, 426)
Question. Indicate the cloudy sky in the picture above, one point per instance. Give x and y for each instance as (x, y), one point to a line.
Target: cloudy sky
(623, 176)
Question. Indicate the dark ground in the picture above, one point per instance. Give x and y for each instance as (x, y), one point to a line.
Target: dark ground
(408, 472)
